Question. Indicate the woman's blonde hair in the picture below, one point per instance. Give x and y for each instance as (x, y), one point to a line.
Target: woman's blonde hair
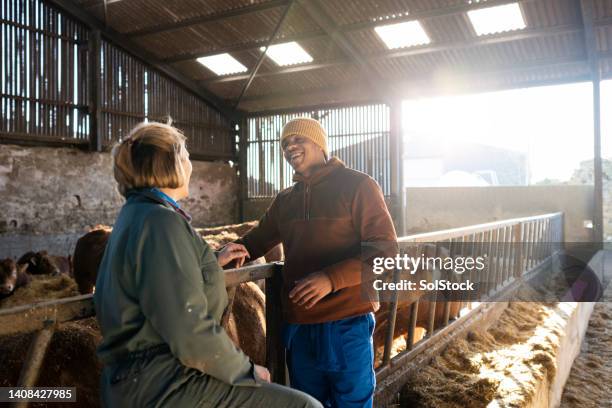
(153, 155)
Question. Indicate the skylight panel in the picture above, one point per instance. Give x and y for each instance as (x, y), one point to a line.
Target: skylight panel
(289, 53)
(222, 64)
(497, 19)
(402, 35)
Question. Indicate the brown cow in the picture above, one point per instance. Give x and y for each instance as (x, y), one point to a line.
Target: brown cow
(88, 256)
(403, 309)
(246, 325)
(41, 263)
(12, 276)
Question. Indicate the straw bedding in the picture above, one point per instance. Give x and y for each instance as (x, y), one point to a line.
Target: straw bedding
(590, 381)
(497, 367)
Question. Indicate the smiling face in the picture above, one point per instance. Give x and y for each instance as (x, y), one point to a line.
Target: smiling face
(302, 154)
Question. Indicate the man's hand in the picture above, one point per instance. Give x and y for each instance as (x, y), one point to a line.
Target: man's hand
(233, 251)
(262, 373)
(308, 291)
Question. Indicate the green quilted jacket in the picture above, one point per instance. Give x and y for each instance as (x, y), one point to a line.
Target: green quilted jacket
(159, 298)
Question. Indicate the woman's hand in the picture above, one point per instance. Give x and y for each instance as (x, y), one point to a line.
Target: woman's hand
(262, 373)
(311, 289)
(232, 252)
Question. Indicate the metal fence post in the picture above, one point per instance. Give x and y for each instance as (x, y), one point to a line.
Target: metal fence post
(517, 233)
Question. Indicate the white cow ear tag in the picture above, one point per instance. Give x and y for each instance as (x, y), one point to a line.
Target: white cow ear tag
(33, 261)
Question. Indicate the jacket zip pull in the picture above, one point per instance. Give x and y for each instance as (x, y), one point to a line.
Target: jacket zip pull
(307, 203)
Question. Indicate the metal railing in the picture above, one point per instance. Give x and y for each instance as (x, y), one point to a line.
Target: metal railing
(516, 249)
(533, 240)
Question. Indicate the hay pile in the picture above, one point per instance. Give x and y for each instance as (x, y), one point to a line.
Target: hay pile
(590, 381)
(238, 229)
(216, 237)
(398, 346)
(216, 241)
(502, 365)
(40, 289)
(70, 360)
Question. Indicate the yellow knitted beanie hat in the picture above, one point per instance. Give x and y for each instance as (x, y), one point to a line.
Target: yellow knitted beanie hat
(308, 128)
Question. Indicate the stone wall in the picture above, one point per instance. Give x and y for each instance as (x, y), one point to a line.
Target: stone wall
(50, 195)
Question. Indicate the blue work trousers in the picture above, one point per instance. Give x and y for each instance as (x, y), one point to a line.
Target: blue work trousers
(333, 361)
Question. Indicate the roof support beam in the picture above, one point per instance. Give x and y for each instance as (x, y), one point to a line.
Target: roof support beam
(318, 14)
(405, 52)
(281, 71)
(263, 54)
(120, 40)
(209, 18)
(98, 3)
(586, 8)
(439, 12)
(253, 45)
(421, 85)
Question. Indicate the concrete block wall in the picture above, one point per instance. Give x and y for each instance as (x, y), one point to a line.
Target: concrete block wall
(437, 208)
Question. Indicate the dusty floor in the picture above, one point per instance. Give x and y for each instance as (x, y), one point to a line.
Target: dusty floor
(500, 366)
(590, 381)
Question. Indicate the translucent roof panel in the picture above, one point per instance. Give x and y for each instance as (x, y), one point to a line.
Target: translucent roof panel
(222, 64)
(497, 19)
(402, 35)
(290, 53)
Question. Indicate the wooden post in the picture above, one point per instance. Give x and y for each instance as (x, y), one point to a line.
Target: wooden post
(243, 182)
(275, 351)
(34, 359)
(96, 135)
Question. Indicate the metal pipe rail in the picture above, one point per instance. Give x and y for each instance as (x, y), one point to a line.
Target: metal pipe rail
(516, 249)
(534, 236)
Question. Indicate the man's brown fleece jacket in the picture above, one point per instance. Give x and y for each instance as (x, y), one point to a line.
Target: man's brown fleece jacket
(322, 221)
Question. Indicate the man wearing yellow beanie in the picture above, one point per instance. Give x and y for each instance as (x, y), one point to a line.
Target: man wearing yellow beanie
(322, 221)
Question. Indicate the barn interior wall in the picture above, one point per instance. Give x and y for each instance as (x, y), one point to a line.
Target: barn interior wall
(52, 195)
(437, 208)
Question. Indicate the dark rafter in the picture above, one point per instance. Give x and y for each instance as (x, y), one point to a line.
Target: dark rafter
(439, 12)
(210, 18)
(280, 71)
(425, 49)
(120, 40)
(246, 86)
(318, 14)
(98, 3)
(425, 80)
(252, 45)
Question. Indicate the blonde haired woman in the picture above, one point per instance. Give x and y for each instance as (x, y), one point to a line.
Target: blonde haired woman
(160, 294)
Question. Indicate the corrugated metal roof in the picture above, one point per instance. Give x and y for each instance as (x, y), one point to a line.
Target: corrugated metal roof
(455, 47)
(603, 37)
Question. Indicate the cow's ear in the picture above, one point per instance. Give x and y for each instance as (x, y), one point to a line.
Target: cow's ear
(22, 267)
